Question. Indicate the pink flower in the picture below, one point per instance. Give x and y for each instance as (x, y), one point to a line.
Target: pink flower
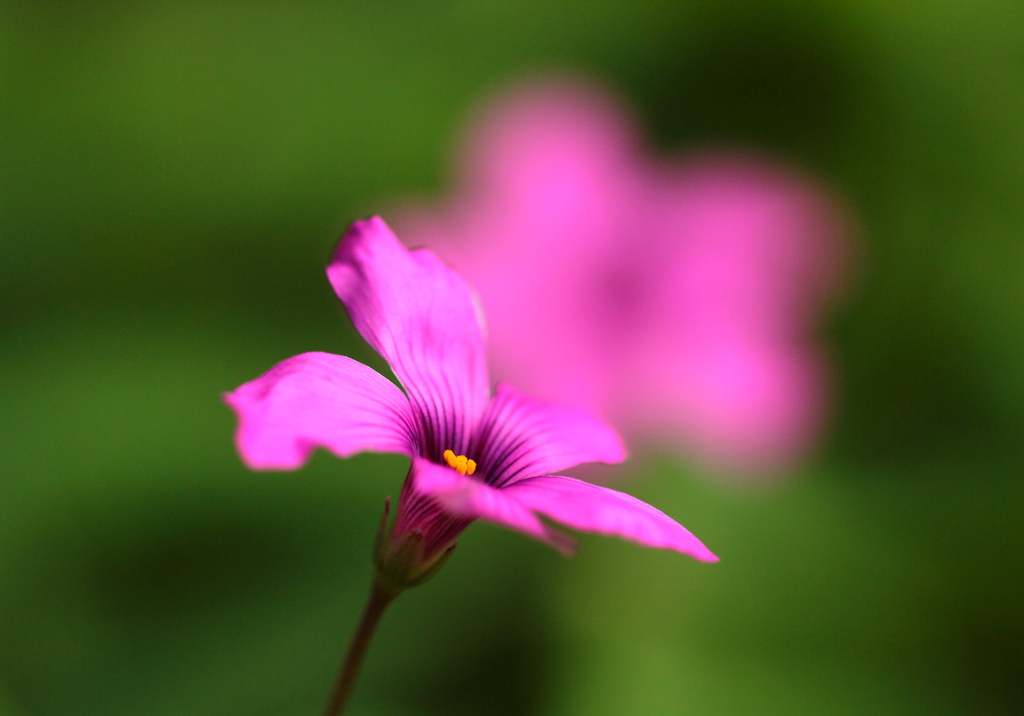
(474, 455)
(673, 299)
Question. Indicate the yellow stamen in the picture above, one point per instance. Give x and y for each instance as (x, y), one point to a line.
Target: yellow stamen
(460, 463)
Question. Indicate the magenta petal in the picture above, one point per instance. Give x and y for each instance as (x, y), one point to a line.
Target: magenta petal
(523, 437)
(319, 400)
(468, 498)
(423, 318)
(591, 508)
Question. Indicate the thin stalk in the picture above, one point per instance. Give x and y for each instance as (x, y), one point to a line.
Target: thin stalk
(378, 602)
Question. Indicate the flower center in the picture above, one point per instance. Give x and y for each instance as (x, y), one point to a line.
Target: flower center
(460, 463)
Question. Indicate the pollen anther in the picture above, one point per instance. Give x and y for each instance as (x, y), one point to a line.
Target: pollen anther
(460, 463)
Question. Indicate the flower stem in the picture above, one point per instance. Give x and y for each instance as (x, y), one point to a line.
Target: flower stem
(378, 602)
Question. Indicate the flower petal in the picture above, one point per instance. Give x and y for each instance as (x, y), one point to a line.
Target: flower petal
(319, 400)
(423, 318)
(591, 508)
(522, 437)
(465, 497)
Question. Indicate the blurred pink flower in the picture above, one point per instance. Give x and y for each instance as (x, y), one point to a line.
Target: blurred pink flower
(675, 299)
(473, 455)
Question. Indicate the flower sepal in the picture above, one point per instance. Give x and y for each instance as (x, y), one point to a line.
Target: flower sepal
(401, 560)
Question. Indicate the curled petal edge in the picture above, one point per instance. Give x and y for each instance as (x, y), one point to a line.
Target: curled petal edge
(591, 508)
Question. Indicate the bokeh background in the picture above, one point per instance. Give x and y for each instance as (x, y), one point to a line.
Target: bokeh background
(173, 176)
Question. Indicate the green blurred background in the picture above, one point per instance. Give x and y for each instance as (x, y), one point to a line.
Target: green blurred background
(172, 178)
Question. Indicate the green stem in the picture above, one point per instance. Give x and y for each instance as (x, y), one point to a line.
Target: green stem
(378, 602)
